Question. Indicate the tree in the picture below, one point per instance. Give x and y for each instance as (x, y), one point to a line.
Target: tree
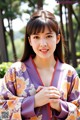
(71, 30)
(40, 4)
(71, 34)
(3, 48)
(33, 5)
(10, 10)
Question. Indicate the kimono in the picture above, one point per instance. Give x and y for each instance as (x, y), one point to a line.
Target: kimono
(18, 89)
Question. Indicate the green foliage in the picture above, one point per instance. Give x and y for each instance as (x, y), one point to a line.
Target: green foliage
(10, 9)
(32, 5)
(19, 45)
(78, 70)
(3, 68)
(78, 44)
(77, 53)
(10, 52)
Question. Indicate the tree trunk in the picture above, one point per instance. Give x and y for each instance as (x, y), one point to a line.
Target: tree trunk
(64, 35)
(12, 38)
(3, 46)
(71, 34)
(13, 46)
(40, 4)
(61, 20)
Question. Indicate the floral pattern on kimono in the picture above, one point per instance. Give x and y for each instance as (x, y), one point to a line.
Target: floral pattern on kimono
(18, 88)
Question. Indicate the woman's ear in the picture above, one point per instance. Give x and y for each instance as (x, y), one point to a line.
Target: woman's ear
(58, 38)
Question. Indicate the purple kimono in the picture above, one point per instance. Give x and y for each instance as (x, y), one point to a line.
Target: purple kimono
(18, 88)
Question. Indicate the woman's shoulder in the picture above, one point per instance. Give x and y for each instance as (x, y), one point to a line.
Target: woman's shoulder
(67, 67)
(17, 66)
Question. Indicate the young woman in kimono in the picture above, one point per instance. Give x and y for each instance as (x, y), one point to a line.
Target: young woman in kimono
(41, 86)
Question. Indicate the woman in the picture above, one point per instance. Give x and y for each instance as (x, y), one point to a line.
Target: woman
(41, 86)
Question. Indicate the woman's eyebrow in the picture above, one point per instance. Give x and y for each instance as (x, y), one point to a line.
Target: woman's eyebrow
(49, 33)
(45, 33)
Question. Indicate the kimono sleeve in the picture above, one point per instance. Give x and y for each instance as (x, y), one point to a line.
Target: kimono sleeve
(10, 104)
(74, 100)
(71, 107)
(11, 101)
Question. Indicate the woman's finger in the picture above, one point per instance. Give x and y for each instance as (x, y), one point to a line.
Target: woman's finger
(39, 88)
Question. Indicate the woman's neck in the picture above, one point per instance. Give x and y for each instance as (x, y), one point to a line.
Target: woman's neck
(44, 63)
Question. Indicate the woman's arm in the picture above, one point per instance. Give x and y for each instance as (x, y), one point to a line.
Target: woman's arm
(12, 100)
(70, 109)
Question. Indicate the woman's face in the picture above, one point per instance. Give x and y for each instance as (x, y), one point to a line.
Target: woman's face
(44, 43)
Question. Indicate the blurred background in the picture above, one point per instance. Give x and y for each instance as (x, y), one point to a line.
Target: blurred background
(14, 15)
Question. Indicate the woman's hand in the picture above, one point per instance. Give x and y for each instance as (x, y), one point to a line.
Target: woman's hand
(46, 95)
(55, 98)
(41, 96)
(55, 104)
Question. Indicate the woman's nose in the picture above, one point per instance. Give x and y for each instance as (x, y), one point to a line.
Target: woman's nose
(43, 42)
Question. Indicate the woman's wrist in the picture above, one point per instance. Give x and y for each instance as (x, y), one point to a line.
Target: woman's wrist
(36, 101)
(57, 107)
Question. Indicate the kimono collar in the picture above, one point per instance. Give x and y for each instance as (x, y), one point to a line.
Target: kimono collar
(60, 66)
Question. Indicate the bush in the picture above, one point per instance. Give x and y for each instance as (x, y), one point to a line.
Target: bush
(3, 68)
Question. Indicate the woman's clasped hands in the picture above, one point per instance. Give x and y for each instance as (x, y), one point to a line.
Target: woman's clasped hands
(45, 95)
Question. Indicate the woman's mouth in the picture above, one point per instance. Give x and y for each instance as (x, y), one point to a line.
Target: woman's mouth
(44, 50)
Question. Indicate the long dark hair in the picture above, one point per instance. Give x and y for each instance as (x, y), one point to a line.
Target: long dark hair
(37, 23)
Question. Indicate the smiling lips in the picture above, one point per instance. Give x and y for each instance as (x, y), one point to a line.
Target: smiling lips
(44, 50)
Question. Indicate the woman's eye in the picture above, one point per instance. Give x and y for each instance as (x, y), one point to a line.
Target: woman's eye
(36, 37)
(49, 36)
